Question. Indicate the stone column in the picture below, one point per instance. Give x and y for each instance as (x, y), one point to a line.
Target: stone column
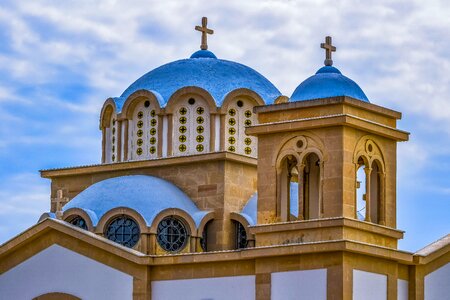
(321, 176)
(212, 132)
(222, 133)
(119, 141)
(161, 137)
(279, 196)
(125, 140)
(103, 145)
(368, 172)
(382, 197)
(301, 205)
(169, 134)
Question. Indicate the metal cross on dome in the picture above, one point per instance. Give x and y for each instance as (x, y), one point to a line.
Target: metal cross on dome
(204, 30)
(329, 48)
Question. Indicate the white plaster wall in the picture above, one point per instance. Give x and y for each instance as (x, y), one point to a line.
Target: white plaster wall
(437, 284)
(308, 284)
(219, 288)
(402, 289)
(369, 286)
(57, 269)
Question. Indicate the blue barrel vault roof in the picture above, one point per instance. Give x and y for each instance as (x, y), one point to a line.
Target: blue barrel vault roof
(327, 82)
(145, 194)
(203, 69)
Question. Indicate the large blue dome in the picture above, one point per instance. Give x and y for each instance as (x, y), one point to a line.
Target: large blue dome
(327, 82)
(203, 69)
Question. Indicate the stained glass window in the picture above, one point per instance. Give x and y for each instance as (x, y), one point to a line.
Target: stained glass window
(241, 236)
(79, 222)
(123, 230)
(171, 234)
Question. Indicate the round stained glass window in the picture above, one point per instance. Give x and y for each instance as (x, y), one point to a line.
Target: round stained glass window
(79, 222)
(123, 230)
(171, 234)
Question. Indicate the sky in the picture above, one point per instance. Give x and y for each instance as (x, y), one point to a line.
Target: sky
(60, 60)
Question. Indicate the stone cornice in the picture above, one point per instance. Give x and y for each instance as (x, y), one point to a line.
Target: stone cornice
(328, 121)
(329, 101)
(132, 165)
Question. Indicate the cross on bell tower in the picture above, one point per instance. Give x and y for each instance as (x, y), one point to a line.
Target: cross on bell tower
(329, 48)
(204, 30)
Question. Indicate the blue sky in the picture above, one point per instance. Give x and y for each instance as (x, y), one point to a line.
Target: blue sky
(60, 60)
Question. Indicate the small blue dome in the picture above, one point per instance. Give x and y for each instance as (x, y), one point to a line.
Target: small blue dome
(217, 76)
(327, 82)
(147, 195)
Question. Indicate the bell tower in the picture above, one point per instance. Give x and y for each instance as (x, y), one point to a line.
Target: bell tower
(327, 164)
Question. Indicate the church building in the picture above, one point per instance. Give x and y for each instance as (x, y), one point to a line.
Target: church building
(214, 185)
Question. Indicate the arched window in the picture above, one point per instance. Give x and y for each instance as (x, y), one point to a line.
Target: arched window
(240, 235)
(56, 296)
(143, 132)
(289, 187)
(240, 115)
(79, 222)
(111, 133)
(361, 191)
(300, 188)
(123, 230)
(191, 127)
(369, 185)
(204, 239)
(171, 234)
